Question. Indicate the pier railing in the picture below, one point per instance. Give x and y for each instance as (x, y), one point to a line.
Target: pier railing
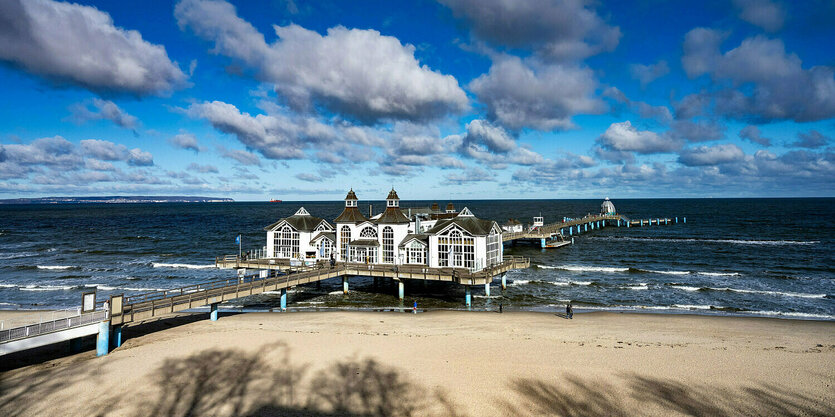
(32, 330)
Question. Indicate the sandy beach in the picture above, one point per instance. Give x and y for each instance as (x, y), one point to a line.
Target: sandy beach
(441, 364)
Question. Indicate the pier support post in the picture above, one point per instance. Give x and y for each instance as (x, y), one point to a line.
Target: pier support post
(284, 299)
(676, 220)
(666, 221)
(103, 340)
(642, 223)
(586, 227)
(504, 282)
(685, 220)
(345, 285)
(629, 224)
(116, 337)
(213, 312)
(571, 231)
(468, 296)
(542, 243)
(401, 290)
(487, 289)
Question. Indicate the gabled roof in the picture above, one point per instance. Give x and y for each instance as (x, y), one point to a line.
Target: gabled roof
(422, 238)
(364, 242)
(324, 235)
(392, 215)
(472, 225)
(350, 215)
(302, 221)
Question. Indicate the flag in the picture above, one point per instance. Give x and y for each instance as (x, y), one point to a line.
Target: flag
(238, 240)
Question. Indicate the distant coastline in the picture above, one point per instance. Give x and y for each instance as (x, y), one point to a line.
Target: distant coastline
(116, 200)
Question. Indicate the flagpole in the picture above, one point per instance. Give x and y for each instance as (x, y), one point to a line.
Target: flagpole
(239, 246)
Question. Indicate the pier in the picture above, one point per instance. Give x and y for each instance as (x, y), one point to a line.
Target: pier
(559, 234)
(272, 276)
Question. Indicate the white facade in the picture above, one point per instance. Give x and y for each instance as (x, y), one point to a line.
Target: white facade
(290, 238)
(463, 241)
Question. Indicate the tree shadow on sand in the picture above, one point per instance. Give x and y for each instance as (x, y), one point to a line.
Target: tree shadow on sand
(239, 383)
(641, 395)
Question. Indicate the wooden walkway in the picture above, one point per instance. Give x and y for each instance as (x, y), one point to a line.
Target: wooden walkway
(145, 306)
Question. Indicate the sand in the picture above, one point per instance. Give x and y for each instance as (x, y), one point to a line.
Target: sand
(442, 364)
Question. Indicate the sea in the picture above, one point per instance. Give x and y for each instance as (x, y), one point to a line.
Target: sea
(749, 257)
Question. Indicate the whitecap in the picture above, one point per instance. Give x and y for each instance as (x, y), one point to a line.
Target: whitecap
(188, 266)
(719, 274)
(641, 286)
(47, 288)
(579, 268)
(54, 266)
(686, 288)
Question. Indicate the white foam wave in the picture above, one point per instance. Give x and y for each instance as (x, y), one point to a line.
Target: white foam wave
(187, 266)
(686, 288)
(668, 272)
(719, 274)
(47, 288)
(54, 266)
(693, 307)
(335, 292)
(792, 314)
(640, 287)
(580, 268)
(519, 282)
(744, 291)
(728, 241)
(8, 286)
(17, 255)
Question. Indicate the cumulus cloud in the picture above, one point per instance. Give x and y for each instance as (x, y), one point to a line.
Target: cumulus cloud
(774, 84)
(711, 155)
(275, 136)
(812, 139)
(186, 141)
(109, 151)
(494, 138)
(469, 175)
(623, 137)
(358, 73)
(244, 157)
(73, 44)
(646, 74)
(54, 152)
(529, 94)
(103, 110)
(763, 13)
(696, 131)
(648, 111)
(203, 169)
(560, 30)
(752, 134)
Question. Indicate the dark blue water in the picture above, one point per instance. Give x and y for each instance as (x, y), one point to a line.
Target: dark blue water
(771, 257)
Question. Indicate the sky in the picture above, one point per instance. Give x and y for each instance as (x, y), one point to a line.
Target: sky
(466, 99)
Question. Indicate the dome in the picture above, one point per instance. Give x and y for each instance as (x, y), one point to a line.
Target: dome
(607, 207)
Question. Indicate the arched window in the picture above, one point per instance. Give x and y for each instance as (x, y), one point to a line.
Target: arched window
(344, 239)
(286, 242)
(388, 245)
(416, 253)
(324, 248)
(494, 246)
(368, 233)
(456, 250)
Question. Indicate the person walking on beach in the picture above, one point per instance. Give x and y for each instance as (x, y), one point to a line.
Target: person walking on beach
(569, 311)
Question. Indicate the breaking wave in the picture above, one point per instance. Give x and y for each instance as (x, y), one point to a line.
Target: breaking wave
(744, 291)
(187, 266)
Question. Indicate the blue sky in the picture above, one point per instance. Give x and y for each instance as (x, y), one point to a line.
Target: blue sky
(450, 98)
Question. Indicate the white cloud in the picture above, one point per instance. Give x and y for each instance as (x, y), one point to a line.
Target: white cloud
(646, 74)
(753, 134)
(711, 155)
(109, 151)
(203, 169)
(624, 137)
(494, 138)
(186, 141)
(103, 110)
(535, 95)
(358, 73)
(75, 44)
(762, 13)
(561, 30)
(780, 89)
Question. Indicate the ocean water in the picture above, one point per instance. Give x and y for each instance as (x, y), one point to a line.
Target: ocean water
(760, 257)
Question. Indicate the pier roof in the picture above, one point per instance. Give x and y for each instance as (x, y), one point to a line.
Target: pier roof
(421, 237)
(325, 235)
(473, 225)
(350, 215)
(302, 221)
(392, 215)
(364, 242)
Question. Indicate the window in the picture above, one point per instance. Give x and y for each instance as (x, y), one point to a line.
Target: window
(363, 254)
(344, 239)
(286, 243)
(494, 245)
(456, 250)
(322, 227)
(416, 253)
(324, 248)
(388, 245)
(368, 233)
